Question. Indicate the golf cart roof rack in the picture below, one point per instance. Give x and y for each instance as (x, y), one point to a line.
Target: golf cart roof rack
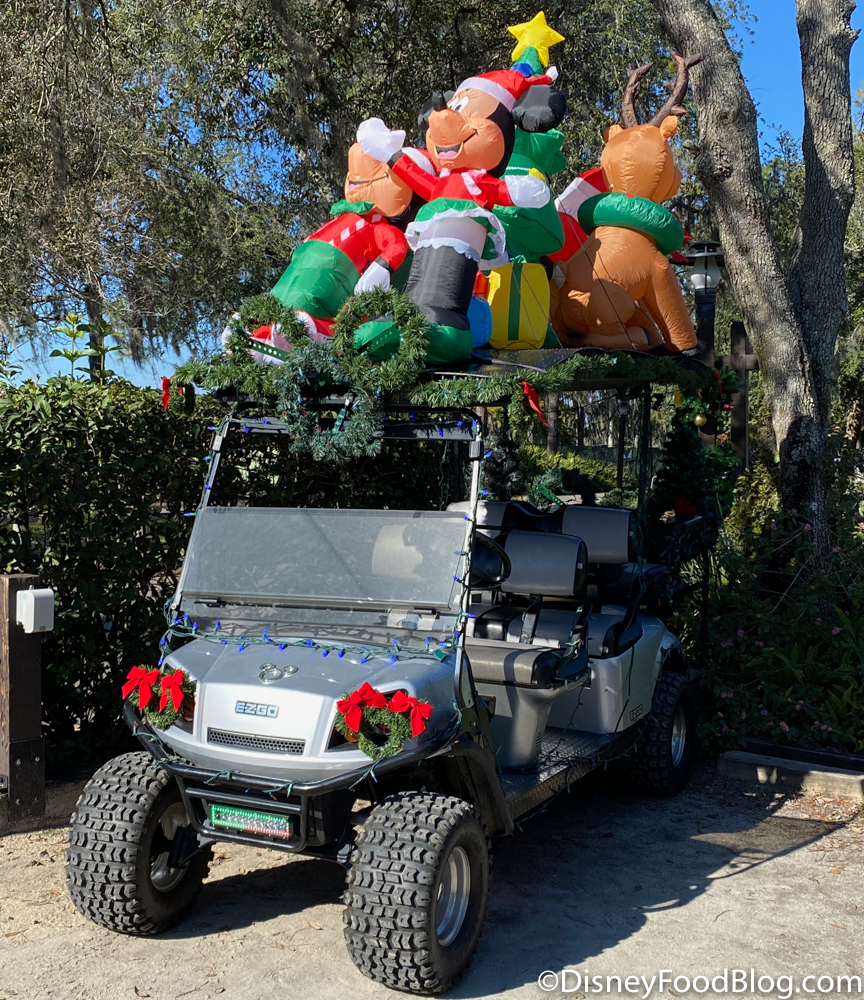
(404, 422)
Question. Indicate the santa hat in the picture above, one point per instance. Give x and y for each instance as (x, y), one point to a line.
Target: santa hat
(507, 85)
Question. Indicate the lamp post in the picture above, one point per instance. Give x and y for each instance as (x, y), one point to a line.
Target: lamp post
(705, 257)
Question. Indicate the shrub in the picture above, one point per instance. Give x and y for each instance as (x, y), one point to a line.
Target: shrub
(94, 480)
(785, 653)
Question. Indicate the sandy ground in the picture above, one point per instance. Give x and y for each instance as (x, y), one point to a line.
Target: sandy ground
(721, 877)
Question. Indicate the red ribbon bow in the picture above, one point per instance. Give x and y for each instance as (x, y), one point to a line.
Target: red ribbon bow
(144, 681)
(420, 710)
(171, 686)
(534, 401)
(352, 706)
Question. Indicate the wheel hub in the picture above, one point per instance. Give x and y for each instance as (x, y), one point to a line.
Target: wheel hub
(164, 878)
(454, 890)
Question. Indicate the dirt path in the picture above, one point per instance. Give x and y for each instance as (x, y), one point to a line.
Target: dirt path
(720, 877)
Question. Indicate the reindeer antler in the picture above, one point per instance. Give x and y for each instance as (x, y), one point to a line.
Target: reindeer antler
(678, 90)
(628, 112)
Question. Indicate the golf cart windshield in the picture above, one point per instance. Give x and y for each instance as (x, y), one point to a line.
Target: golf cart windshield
(313, 558)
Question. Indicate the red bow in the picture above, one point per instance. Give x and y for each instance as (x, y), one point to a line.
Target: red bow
(172, 685)
(166, 393)
(262, 333)
(420, 710)
(533, 400)
(352, 706)
(144, 681)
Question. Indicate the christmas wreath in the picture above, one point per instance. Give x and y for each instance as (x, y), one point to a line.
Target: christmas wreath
(176, 694)
(367, 718)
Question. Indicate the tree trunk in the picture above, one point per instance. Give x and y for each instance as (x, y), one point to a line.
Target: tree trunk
(793, 319)
(93, 302)
(552, 401)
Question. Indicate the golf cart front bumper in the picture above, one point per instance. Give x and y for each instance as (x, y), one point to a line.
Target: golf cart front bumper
(300, 816)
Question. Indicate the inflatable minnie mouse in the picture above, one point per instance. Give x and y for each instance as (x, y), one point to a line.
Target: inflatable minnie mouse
(469, 138)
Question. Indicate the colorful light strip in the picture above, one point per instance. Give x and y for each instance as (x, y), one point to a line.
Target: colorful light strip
(251, 822)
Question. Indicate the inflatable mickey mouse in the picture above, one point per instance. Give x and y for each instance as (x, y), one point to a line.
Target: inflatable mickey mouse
(469, 138)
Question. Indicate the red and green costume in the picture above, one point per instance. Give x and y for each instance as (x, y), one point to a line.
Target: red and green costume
(326, 266)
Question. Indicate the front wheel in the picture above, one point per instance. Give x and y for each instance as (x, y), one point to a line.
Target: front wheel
(417, 891)
(662, 761)
(122, 831)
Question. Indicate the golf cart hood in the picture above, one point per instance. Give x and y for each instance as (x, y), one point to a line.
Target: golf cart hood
(271, 713)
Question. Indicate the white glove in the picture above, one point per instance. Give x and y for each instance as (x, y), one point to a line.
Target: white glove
(226, 333)
(375, 276)
(526, 191)
(377, 141)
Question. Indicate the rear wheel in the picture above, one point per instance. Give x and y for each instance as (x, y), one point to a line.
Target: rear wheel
(662, 761)
(417, 891)
(122, 832)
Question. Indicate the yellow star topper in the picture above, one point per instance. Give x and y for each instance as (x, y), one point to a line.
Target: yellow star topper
(534, 34)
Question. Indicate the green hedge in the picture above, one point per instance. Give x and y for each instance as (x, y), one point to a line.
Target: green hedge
(94, 480)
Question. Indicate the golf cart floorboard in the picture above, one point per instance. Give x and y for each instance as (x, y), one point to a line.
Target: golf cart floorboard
(565, 756)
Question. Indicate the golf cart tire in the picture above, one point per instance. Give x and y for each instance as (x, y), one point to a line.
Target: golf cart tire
(411, 844)
(108, 860)
(652, 766)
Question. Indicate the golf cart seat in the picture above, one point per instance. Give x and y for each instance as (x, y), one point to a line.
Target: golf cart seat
(613, 570)
(608, 532)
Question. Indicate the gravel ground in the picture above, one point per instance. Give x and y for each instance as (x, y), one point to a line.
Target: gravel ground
(722, 876)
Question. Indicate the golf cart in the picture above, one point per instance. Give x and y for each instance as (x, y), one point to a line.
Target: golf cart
(523, 632)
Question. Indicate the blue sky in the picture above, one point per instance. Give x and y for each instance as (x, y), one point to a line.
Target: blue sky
(772, 67)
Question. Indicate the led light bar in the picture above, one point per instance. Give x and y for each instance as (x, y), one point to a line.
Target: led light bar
(248, 821)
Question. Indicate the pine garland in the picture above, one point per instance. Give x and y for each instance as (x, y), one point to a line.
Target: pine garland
(376, 722)
(312, 367)
(399, 374)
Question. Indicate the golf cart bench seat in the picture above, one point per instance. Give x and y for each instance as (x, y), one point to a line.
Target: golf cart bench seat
(521, 666)
(612, 566)
(608, 532)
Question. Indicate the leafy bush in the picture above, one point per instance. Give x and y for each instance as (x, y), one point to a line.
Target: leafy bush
(785, 654)
(94, 480)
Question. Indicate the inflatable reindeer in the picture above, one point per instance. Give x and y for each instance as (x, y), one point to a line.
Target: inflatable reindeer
(619, 290)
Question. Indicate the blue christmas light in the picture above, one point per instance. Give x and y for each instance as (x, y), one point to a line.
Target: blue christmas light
(341, 653)
(392, 658)
(488, 454)
(325, 652)
(309, 642)
(281, 647)
(224, 642)
(363, 659)
(241, 647)
(217, 626)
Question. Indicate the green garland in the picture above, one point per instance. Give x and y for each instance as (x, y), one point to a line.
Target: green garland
(400, 373)
(162, 719)
(377, 721)
(356, 430)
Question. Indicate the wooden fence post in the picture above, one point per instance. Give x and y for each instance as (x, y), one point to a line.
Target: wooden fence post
(22, 749)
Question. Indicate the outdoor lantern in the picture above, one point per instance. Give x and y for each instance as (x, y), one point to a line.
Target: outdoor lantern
(706, 258)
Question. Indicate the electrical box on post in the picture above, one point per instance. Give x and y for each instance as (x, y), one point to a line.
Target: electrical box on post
(35, 609)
